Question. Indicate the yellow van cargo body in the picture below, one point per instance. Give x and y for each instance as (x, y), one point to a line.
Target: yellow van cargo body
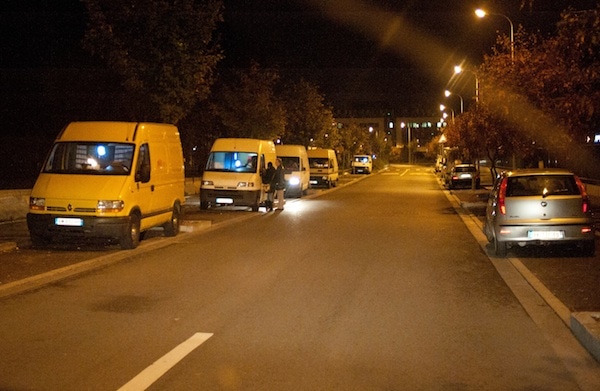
(109, 180)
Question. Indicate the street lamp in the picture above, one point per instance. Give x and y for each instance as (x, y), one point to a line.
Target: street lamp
(462, 103)
(458, 69)
(481, 14)
(443, 108)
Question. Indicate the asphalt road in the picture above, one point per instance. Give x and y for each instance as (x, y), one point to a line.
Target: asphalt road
(377, 285)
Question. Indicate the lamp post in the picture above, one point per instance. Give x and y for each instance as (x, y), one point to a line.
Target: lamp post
(482, 13)
(458, 69)
(443, 108)
(462, 103)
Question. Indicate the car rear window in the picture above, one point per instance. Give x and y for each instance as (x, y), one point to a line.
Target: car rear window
(465, 169)
(541, 185)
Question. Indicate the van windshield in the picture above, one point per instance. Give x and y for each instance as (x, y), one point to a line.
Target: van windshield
(90, 158)
(232, 162)
(290, 163)
(319, 162)
(361, 159)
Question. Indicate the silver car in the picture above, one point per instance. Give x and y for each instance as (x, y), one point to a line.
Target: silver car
(539, 206)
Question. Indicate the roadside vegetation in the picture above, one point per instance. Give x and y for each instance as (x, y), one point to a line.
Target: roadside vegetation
(540, 107)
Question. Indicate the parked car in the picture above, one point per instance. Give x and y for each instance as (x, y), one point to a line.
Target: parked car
(462, 175)
(539, 207)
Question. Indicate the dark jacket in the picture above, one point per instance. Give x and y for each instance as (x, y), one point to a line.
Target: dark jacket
(268, 177)
(279, 178)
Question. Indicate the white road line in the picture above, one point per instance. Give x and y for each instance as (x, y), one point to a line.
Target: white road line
(151, 374)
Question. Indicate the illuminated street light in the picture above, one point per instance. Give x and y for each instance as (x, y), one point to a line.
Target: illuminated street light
(481, 14)
(462, 103)
(458, 69)
(444, 115)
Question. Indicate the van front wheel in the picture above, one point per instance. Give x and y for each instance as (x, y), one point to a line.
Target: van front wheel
(172, 227)
(131, 238)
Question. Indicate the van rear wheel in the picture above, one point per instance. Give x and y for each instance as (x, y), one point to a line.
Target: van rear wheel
(172, 227)
(131, 238)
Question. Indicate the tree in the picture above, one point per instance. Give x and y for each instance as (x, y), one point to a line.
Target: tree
(550, 94)
(353, 141)
(307, 117)
(246, 104)
(163, 50)
(482, 132)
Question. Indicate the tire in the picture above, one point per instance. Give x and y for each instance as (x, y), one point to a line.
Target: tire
(488, 232)
(172, 227)
(203, 205)
(588, 248)
(499, 248)
(256, 205)
(131, 238)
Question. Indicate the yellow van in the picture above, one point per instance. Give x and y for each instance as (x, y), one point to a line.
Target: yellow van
(324, 169)
(110, 181)
(362, 164)
(232, 175)
(297, 170)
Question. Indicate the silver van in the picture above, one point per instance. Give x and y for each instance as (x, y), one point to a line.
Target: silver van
(539, 207)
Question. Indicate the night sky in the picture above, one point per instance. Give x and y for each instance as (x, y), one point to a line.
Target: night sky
(363, 54)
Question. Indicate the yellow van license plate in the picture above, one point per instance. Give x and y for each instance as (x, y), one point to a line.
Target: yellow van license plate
(68, 221)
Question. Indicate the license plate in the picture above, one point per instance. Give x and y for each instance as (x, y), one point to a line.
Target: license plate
(69, 221)
(546, 235)
(224, 200)
(465, 176)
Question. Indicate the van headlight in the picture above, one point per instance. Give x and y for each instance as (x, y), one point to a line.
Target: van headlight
(107, 206)
(207, 183)
(37, 203)
(245, 184)
(294, 181)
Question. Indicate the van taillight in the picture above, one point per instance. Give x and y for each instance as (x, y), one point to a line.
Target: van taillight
(502, 196)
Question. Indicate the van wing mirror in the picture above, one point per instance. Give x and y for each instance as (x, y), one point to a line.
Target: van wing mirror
(143, 174)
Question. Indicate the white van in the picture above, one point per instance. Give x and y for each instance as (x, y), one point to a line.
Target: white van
(297, 172)
(232, 175)
(324, 169)
(111, 181)
(362, 164)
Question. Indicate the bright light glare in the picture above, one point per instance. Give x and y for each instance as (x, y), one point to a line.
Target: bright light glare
(92, 162)
(457, 69)
(447, 93)
(480, 13)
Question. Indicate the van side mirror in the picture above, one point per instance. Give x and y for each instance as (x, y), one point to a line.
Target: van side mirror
(143, 174)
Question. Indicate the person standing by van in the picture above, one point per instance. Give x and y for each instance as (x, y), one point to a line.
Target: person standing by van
(279, 183)
(269, 184)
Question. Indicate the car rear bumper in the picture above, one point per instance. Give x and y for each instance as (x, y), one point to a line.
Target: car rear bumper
(543, 234)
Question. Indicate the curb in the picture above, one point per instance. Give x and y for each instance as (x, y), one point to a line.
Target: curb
(585, 326)
(32, 283)
(6, 247)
